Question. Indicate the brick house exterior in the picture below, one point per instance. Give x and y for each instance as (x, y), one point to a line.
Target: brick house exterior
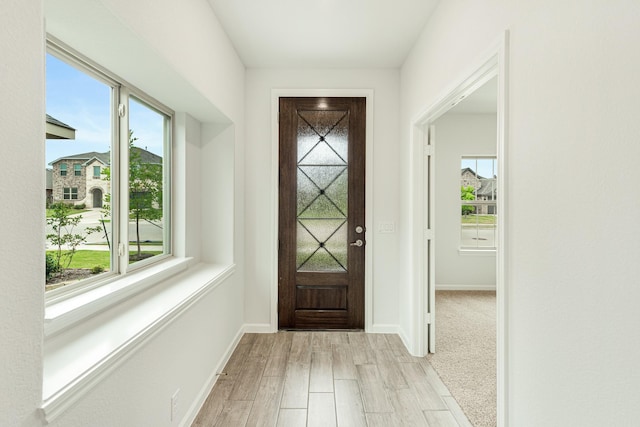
(80, 178)
(486, 189)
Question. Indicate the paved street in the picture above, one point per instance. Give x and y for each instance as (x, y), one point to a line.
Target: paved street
(97, 241)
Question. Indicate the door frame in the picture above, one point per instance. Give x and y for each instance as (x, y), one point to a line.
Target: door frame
(276, 94)
(493, 63)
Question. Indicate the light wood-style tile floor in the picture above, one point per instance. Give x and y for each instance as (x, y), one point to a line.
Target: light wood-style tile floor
(326, 379)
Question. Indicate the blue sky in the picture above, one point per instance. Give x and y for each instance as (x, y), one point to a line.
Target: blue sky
(486, 168)
(84, 103)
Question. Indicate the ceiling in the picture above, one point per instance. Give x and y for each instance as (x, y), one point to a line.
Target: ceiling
(483, 100)
(323, 33)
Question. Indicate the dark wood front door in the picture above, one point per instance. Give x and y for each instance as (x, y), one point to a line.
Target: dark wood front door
(321, 213)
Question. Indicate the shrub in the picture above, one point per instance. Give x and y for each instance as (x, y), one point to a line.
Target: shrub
(467, 193)
(80, 206)
(51, 265)
(97, 269)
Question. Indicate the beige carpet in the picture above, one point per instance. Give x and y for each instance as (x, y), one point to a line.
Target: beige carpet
(465, 355)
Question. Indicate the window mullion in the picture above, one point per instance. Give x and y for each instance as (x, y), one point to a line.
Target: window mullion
(122, 146)
(114, 177)
(167, 184)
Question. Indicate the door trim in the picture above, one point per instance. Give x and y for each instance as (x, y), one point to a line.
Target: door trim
(494, 63)
(276, 94)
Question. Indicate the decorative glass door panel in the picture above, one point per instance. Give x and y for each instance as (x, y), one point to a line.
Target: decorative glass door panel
(322, 205)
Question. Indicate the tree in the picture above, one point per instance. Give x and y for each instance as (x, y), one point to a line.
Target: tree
(63, 225)
(145, 189)
(467, 193)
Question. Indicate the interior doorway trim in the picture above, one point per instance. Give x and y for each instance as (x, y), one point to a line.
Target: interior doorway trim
(494, 63)
(276, 94)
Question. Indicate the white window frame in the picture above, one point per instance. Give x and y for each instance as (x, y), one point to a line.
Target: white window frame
(69, 193)
(480, 250)
(121, 269)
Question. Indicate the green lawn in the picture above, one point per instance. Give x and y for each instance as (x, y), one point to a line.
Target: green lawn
(90, 259)
(479, 219)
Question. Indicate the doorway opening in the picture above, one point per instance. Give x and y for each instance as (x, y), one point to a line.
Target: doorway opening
(425, 149)
(97, 198)
(465, 201)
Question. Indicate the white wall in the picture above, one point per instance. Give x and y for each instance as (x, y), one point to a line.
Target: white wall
(572, 269)
(259, 195)
(21, 226)
(198, 74)
(182, 356)
(459, 135)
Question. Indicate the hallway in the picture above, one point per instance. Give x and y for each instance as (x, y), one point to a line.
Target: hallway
(328, 379)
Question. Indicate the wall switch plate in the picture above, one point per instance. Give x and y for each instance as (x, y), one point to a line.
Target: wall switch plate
(387, 227)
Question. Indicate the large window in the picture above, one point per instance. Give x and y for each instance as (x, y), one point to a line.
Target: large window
(478, 195)
(113, 217)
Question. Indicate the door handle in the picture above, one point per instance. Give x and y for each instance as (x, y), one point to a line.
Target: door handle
(357, 243)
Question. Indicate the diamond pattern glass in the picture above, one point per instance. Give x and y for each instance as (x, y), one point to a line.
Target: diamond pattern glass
(322, 143)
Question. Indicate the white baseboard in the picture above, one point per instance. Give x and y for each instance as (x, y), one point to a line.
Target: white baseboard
(383, 329)
(194, 409)
(259, 328)
(265, 328)
(454, 287)
(405, 341)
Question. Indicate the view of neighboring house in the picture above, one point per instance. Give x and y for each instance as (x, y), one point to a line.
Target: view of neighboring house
(486, 190)
(80, 178)
(55, 130)
(58, 130)
(49, 186)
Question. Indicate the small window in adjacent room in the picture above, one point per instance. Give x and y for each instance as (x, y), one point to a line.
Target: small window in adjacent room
(478, 195)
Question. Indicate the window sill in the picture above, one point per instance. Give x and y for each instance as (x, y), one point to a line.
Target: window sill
(65, 312)
(477, 252)
(79, 357)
